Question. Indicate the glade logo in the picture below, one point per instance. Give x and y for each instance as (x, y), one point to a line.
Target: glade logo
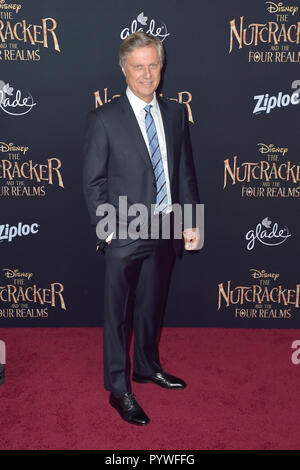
(141, 23)
(9, 232)
(12, 148)
(280, 8)
(266, 103)
(267, 234)
(14, 103)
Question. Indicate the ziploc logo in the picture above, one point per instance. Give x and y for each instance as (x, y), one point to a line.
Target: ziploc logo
(10, 232)
(266, 103)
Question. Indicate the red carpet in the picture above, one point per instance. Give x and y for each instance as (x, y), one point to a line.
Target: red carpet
(243, 392)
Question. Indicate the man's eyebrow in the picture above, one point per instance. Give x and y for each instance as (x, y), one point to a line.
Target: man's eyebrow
(152, 63)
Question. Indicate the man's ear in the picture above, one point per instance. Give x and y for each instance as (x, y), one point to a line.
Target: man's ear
(123, 70)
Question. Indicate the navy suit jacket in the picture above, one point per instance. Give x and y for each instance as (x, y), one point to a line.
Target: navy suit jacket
(117, 161)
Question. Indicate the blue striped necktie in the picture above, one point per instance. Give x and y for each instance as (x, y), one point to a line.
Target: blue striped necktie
(156, 160)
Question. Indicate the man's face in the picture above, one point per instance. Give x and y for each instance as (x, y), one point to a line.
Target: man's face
(142, 72)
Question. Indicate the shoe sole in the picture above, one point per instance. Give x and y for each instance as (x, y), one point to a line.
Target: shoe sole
(145, 381)
(127, 420)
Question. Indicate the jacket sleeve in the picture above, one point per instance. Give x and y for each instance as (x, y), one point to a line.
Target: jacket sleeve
(96, 152)
(187, 179)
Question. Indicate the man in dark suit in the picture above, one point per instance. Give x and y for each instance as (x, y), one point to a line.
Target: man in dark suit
(138, 146)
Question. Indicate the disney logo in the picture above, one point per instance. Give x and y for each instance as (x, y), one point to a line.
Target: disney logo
(272, 149)
(158, 31)
(256, 274)
(12, 148)
(280, 8)
(10, 6)
(17, 105)
(273, 237)
(9, 273)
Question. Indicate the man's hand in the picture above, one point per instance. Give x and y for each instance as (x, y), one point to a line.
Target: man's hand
(98, 246)
(101, 244)
(191, 238)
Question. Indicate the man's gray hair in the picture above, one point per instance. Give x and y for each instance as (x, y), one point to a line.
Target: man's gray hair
(136, 40)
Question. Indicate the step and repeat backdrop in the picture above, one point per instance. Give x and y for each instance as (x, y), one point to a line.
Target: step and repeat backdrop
(235, 66)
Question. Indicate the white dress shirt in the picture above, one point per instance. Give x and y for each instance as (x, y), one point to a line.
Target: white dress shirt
(138, 106)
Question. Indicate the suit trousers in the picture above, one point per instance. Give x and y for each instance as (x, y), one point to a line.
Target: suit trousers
(137, 278)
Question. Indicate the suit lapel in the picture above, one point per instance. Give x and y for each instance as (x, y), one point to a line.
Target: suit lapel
(134, 131)
(136, 136)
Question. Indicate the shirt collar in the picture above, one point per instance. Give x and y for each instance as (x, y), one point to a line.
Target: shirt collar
(137, 103)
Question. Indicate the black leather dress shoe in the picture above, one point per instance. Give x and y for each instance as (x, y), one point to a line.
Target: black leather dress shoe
(2, 374)
(129, 409)
(161, 378)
